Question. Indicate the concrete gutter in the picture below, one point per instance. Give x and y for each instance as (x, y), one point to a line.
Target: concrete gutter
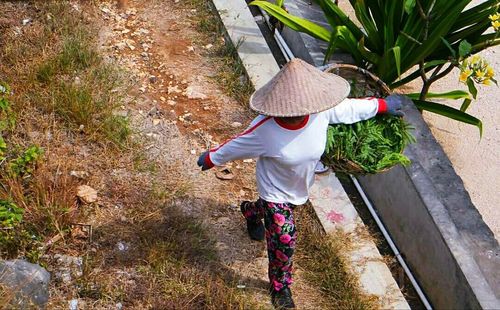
(327, 195)
(428, 212)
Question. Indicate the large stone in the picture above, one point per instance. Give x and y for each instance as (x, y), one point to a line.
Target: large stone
(29, 283)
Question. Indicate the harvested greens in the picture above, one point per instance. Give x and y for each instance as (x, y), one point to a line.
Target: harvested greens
(368, 146)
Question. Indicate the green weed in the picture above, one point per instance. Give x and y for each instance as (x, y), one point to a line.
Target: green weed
(24, 163)
(231, 74)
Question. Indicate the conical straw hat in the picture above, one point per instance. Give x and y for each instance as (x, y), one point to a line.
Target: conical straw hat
(299, 89)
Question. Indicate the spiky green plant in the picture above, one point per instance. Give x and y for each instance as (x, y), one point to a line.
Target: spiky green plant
(414, 38)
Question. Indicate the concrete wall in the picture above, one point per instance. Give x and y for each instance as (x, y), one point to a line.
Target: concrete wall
(428, 212)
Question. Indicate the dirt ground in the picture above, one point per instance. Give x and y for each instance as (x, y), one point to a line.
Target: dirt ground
(178, 105)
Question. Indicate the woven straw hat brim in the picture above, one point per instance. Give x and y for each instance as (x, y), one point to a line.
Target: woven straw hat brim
(299, 89)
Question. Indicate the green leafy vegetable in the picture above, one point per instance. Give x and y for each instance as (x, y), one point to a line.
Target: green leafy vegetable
(369, 146)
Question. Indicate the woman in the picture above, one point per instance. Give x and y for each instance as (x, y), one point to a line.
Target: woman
(288, 138)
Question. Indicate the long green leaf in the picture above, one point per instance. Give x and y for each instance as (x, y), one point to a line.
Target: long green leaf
(373, 58)
(336, 17)
(342, 38)
(428, 66)
(454, 94)
(449, 112)
(294, 22)
(369, 26)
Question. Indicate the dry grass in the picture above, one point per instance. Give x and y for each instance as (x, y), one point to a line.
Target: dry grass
(231, 74)
(63, 101)
(325, 265)
(63, 93)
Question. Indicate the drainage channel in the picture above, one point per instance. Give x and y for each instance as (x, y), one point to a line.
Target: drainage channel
(401, 273)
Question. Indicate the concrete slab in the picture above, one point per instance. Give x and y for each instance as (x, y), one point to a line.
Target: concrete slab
(335, 211)
(248, 40)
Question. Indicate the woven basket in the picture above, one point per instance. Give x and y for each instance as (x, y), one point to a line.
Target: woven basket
(363, 84)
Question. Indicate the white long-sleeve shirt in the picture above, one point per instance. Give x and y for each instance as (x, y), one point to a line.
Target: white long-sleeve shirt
(287, 155)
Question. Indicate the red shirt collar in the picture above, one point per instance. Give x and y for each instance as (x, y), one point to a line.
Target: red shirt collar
(292, 127)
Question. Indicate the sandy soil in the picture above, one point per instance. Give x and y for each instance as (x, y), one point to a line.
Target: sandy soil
(475, 160)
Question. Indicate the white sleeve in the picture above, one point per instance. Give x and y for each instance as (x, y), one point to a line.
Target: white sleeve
(243, 146)
(353, 110)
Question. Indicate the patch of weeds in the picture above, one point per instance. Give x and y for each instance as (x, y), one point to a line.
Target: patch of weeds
(231, 74)
(25, 162)
(69, 78)
(323, 260)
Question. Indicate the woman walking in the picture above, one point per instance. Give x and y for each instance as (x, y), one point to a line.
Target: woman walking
(288, 139)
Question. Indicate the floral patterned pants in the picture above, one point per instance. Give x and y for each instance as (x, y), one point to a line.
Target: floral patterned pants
(280, 237)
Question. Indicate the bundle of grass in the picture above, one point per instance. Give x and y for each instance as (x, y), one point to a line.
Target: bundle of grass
(369, 146)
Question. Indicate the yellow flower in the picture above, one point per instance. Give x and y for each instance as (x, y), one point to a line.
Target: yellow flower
(487, 82)
(474, 59)
(464, 75)
(489, 72)
(496, 24)
(480, 74)
(494, 17)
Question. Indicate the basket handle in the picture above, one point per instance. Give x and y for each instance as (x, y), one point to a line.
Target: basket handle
(331, 68)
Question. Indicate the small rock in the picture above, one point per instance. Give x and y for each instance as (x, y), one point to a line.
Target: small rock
(73, 304)
(154, 111)
(121, 45)
(119, 306)
(87, 194)
(236, 124)
(29, 280)
(190, 49)
(173, 89)
(193, 152)
(106, 11)
(79, 174)
(206, 108)
(209, 46)
(171, 102)
(156, 121)
(163, 99)
(193, 93)
(122, 246)
(26, 21)
(153, 79)
(142, 89)
(68, 267)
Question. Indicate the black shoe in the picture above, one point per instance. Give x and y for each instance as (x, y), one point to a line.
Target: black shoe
(256, 230)
(282, 299)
